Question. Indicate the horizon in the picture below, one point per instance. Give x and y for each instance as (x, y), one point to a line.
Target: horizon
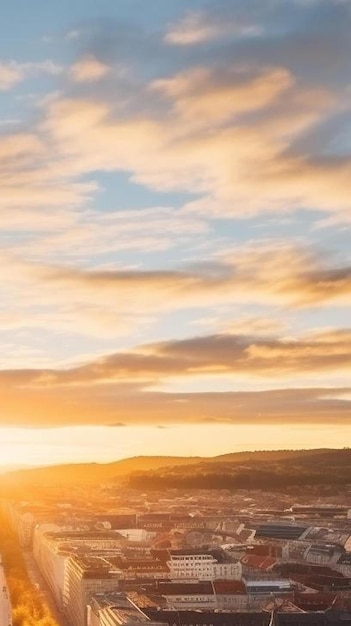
(165, 456)
(175, 232)
(213, 442)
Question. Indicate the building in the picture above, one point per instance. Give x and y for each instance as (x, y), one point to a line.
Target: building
(202, 564)
(51, 559)
(259, 591)
(323, 554)
(115, 609)
(343, 564)
(84, 578)
(53, 546)
(206, 595)
(280, 531)
(141, 567)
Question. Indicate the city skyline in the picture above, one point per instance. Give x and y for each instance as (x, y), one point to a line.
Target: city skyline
(175, 232)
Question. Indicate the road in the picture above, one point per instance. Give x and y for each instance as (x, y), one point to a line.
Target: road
(5, 605)
(40, 583)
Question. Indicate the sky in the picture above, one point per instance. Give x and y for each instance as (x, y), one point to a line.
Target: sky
(175, 227)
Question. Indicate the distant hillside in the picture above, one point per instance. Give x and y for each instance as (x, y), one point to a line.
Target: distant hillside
(324, 468)
(83, 473)
(267, 455)
(150, 471)
(5, 469)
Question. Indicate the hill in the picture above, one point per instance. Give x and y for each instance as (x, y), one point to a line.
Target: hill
(309, 468)
(83, 473)
(235, 469)
(266, 455)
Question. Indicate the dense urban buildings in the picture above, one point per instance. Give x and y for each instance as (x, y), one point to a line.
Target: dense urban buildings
(121, 556)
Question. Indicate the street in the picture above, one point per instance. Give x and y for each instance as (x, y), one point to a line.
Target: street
(40, 583)
(5, 605)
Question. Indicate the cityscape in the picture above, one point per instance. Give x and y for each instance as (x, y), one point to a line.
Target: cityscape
(175, 306)
(101, 552)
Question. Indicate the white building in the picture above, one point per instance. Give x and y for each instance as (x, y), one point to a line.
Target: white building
(50, 560)
(206, 595)
(203, 565)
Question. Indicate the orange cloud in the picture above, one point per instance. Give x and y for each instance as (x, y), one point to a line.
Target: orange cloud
(88, 69)
(224, 134)
(128, 404)
(84, 300)
(239, 355)
(206, 97)
(280, 274)
(239, 168)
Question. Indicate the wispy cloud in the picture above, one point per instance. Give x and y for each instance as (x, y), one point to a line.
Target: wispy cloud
(12, 73)
(9, 76)
(83, 300)
(198, 27)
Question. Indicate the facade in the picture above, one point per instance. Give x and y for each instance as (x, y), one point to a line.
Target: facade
(142, 568)
(220, 595)
(84, 578)
(52, 547)
(203, 565)
(50, 559)
(260, 591)
(344, 564)
(323, 554)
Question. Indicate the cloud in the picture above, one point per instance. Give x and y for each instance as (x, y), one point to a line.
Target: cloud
(226, 135)
(240, 135)
(88, 69)
(142, 230)
(274, 358)
(212, 97)
(23, 402)
(278, 273)
(113, 301)
(9, 76)
(119, 388)
(232, 354)
(198, 27)
(253, 325)
(245, 125)
(13, 72)
(32, 68)
(192, 29)
(73, 34)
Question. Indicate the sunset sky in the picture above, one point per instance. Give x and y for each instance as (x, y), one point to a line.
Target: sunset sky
(175, 227)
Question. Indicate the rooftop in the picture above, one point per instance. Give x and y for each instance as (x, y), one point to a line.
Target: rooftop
(218, 554)
(95, 566)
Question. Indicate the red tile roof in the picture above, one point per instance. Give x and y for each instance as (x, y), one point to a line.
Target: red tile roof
(258, 562)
